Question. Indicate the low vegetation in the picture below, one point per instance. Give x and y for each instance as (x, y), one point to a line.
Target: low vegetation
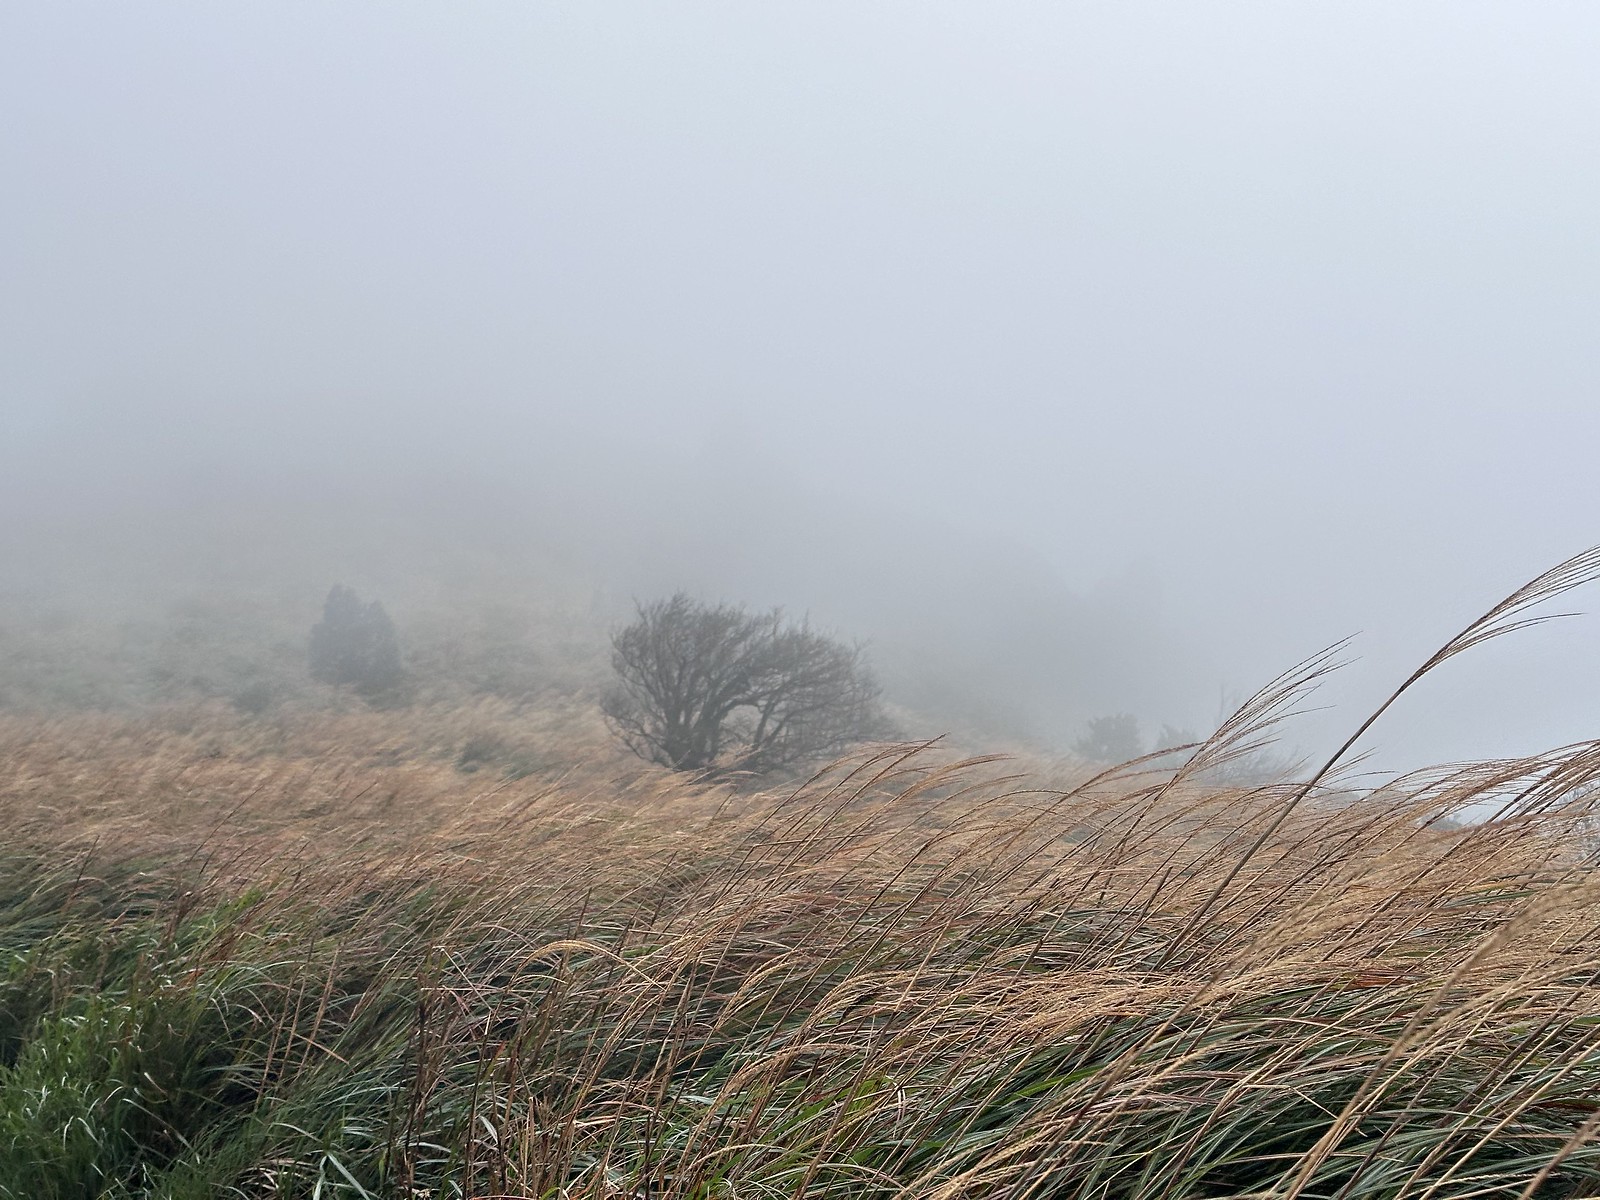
(479, 951)
(322, 960)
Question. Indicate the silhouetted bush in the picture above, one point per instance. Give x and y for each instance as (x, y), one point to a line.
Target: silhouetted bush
(253, 699)
(355, 645)
(1112, 739)
(715, 688)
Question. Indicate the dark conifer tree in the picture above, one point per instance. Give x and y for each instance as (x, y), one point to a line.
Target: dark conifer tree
(355, 645)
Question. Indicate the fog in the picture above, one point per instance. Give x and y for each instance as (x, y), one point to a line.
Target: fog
(1080, 358)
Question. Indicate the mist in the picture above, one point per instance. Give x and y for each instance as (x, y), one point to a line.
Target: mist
(1079, 359)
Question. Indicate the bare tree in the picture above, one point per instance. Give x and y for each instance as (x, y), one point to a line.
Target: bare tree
(716, 688)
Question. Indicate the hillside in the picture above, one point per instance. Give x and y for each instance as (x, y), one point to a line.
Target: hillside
(472, 951)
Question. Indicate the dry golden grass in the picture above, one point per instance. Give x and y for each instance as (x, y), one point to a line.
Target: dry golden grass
(313, 956)
(911, 976)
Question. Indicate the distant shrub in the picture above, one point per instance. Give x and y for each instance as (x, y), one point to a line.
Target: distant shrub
(1111, 739)
(490, 751)
(355, 645)
(253, 699)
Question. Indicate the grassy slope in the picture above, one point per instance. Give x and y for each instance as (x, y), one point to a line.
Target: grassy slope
(310, 955)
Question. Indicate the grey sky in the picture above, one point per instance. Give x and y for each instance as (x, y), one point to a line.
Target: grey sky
(1276, 321)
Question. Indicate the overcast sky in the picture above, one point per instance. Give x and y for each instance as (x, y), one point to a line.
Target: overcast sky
(1275, 321)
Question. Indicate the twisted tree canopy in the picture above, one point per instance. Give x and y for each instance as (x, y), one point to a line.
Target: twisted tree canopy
(716, 688)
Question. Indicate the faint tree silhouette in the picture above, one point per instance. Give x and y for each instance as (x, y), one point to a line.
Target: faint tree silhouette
(1111, 739)
(355, 645)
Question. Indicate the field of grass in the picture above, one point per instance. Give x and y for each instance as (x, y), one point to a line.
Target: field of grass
(466, 948)
(332, 955)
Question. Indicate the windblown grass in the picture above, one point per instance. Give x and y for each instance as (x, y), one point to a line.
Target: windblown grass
(323, 961)
(908, 978)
